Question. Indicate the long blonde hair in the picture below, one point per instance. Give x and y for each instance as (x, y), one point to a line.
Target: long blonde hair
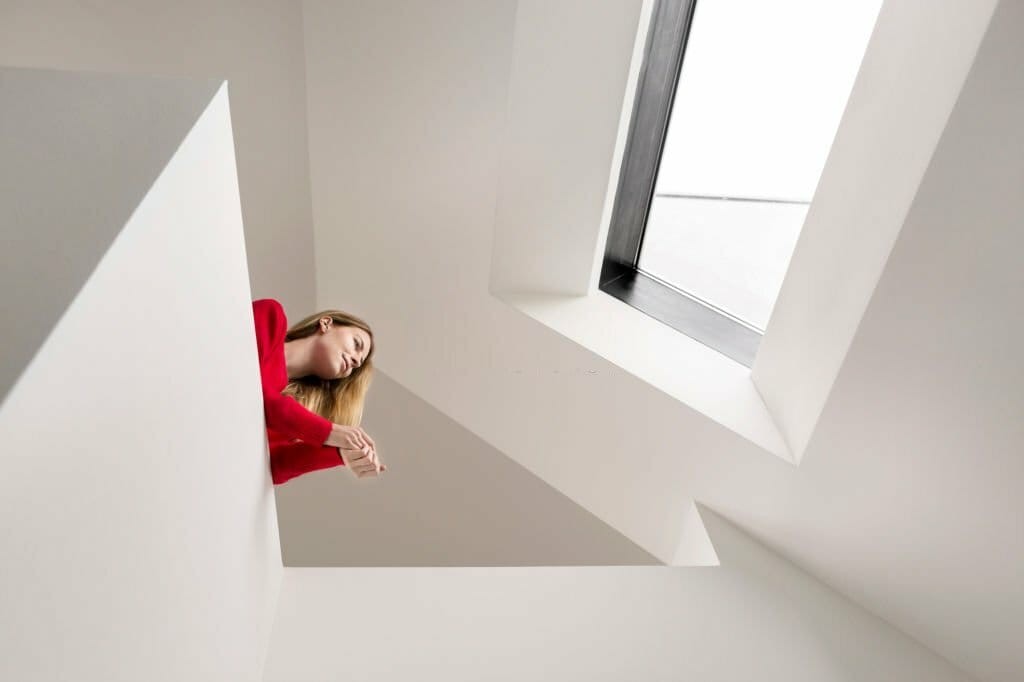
(340, 400)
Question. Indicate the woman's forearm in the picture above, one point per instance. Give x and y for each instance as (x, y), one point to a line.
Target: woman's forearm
(285, 415)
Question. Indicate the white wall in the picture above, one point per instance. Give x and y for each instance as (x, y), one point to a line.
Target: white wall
(756, 618)
(139, 539)
(447, 499)
(256, 45)
(913, 70)
(404, 160)
(549, 195)
(60, 214)
(879, 491)
(918, 453)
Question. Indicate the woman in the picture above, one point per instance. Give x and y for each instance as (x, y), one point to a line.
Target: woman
(315, 377)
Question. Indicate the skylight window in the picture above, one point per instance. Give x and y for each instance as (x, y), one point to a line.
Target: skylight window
(737, 106)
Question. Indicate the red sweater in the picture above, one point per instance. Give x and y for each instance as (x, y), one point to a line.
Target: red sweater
(295, 434)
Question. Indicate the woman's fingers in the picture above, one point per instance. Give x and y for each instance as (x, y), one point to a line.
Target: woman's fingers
(353, 438)
(361, 468)
(364, 462)
(347, 437)
(371, 454)
(372, 466)
(366, 471)
(354, 459)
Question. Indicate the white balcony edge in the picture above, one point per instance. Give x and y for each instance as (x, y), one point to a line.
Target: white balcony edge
(688, 371)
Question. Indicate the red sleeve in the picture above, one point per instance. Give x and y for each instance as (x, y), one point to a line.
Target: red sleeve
(283, 414)
(288, 460)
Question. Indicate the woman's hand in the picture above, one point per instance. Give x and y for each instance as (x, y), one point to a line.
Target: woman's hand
(349, 438)
(362, 462)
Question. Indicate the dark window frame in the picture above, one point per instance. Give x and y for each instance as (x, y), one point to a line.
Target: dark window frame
(620, 277)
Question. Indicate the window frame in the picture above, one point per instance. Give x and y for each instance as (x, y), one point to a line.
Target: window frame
(620, 277)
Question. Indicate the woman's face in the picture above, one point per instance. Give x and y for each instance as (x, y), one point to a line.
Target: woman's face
(340, 350)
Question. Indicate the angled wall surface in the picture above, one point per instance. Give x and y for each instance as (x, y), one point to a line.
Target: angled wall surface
(913, 72)
(754, 618)
(139, 535)
(920, 443)
(881, 490)
(79, 153)
(256, 47)
(421, 272)
(447, 499)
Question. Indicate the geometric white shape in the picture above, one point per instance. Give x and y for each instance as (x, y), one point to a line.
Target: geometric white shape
(139, 534)
(77, 154)
(908, 83)
(449, 499)
(695, 546)
(757, 617)
(711, 384)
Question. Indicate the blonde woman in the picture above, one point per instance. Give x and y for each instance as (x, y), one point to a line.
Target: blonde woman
(315, 376)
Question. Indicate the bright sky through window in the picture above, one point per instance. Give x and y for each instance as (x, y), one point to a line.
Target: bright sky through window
(761, 92)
